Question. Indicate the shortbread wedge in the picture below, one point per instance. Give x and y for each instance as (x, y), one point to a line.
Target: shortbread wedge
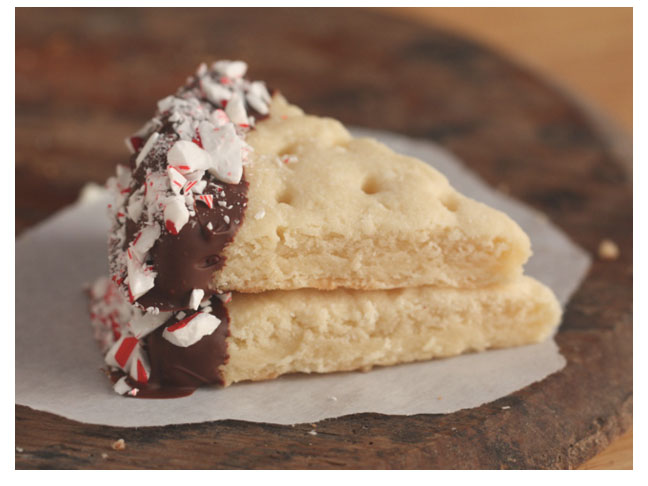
(262, 336)
(326, 210)
(311, 331)
(250, 240)
(231, 189)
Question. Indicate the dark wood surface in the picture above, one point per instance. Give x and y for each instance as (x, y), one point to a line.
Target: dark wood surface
(86, 78)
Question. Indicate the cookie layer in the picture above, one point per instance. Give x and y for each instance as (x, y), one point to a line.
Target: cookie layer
(311, 331)
(327, 210)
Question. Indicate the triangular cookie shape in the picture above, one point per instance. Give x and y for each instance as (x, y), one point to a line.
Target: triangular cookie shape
(326, 210)
(235, 190)
(310, 331)
(250, 240)
(251, 337)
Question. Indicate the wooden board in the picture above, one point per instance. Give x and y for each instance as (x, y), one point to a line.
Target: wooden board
(86, 78)
(618, 455)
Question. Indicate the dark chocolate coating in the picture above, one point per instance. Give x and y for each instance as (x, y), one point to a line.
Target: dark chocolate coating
(195, 365)
(188, 260)
(184, 262)
(177, 371)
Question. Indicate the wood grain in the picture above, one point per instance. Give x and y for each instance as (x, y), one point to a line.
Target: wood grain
(84, 78)
(617, 456)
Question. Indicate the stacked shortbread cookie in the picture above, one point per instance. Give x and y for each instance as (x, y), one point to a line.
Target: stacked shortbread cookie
(250, 240)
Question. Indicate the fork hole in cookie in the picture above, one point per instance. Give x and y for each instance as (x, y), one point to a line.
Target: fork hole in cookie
(371, 186)
(450, 202)
(285, 197)
(281, 232)
(288, 150)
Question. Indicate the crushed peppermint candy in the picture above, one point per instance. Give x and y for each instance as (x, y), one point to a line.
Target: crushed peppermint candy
(140, 369)
(121, 329)
(141, 323)
(186, 162)
(289, 159)
(108, 312)
(150, 142)
(191, 329)
(181, 158)
(121, 353)
(196, 298)
(122, 387)
(176, 214)
(226, 298)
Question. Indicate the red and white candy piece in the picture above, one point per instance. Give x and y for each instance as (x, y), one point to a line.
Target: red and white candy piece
(231, 69)
(226, 150)
(190, 203)
(191, 329)
(143, 323)
(290, 159)
(122, 387)
(176, 179)
(258, 89)
(140, 369)
(176, 214)
(165, 104)
(140, 278)
(122, 179)
(235, 110)
(121, 353)
(225, 298)
(145, 240)
(258, 97)
(257, 103)
(199, 187)
(146, 148)
(99, 288)
(186, 156)
(185, 130)
(196, 298)
(135, 206)
(219, 118)
(207, 199)
(157, 184)
(215, 92)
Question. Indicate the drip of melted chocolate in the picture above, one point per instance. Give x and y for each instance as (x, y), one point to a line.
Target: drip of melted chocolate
(177, 371)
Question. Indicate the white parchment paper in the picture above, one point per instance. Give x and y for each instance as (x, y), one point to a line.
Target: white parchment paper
(58, 363)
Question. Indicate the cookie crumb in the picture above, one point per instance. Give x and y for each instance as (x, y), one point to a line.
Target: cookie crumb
(104, 455)
(119, 445)
(312, 432)
(20, 449)
(506, 407)
(608, 250)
